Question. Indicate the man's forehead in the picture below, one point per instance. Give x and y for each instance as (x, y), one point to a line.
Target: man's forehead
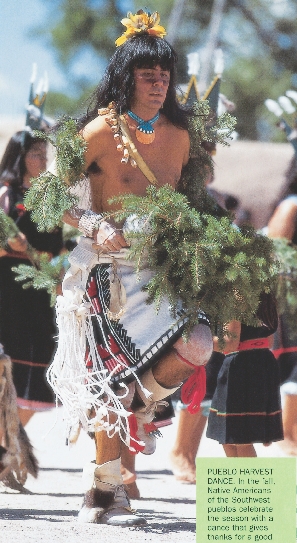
(151, 67)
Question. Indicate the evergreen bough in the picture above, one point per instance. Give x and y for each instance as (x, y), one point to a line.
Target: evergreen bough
(47, 274)
(43, 273)
(199, 258)
(200, 261)
(50, 195)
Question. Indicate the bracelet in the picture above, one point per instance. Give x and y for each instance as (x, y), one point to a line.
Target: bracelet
(88, 222)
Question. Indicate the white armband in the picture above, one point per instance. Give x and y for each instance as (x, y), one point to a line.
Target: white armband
(88, 222)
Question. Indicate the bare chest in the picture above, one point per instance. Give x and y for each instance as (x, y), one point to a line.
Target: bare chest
(164, 157)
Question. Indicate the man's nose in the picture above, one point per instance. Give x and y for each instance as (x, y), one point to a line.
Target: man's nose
(158, 80)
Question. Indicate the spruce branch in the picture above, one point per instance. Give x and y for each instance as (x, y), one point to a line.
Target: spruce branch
(50, 194)
(46, 277)
(43, 273)
(8, 228)
(200, 261)
(8, 231)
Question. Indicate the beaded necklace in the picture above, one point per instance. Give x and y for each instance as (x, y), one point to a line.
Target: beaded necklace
(144, 131)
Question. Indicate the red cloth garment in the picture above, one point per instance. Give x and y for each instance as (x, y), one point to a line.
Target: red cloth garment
(194, 389)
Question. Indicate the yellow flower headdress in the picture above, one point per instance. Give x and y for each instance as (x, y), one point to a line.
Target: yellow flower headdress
(141, 23)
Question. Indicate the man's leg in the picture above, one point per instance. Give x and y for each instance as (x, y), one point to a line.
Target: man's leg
(167, 376)
(105, 500)
(188, 436)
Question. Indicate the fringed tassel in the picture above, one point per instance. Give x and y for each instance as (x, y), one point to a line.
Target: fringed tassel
(80, 389)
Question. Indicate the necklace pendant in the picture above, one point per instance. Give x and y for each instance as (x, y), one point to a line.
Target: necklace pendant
(145, 137)
(144, 131)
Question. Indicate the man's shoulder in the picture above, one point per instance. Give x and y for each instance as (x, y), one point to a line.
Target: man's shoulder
(94, 128)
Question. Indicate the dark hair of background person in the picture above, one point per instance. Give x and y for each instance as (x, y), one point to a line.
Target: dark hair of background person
(12, 165)
(291, 176)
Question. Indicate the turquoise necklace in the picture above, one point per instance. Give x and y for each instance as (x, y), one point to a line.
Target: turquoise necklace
(144, 131)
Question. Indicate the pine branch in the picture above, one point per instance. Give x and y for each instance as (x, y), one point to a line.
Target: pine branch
(49, 195)
(46, 277)
(43, 273)
(200, 261)
(8, 229)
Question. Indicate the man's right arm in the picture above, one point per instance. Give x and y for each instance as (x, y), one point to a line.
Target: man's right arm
(92, 224)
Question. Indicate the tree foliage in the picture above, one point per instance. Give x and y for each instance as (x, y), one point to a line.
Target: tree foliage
(258, 40)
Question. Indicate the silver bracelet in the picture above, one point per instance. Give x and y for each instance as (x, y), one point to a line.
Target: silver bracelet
(88, 222)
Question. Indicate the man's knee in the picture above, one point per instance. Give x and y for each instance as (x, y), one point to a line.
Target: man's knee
(198, 349)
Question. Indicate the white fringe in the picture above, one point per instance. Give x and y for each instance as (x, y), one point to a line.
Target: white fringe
(87, 396)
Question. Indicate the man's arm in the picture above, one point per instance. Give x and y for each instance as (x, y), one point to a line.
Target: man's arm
(88, 222)
(283, 221)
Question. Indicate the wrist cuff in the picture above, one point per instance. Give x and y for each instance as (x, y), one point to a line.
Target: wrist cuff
(88, 222)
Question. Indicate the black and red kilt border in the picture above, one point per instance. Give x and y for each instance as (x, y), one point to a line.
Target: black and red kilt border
(140, 336)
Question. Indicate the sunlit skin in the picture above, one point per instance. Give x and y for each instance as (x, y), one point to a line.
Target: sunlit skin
(165, 156)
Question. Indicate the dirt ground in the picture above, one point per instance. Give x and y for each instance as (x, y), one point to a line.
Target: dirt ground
(49, 513)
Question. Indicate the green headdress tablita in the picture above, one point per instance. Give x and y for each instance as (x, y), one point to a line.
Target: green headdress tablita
(35, 119)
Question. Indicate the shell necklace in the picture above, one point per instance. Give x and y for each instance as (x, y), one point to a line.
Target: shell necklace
(144, 131)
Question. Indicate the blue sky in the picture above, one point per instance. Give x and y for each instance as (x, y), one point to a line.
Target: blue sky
(19, 51)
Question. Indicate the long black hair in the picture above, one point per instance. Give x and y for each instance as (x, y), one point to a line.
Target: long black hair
(12, 165)
(141, 51)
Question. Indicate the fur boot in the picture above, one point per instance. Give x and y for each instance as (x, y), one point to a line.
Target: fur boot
(105, 500)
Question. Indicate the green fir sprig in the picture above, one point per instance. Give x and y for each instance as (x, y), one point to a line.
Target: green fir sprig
(50, 194)
(43, 272)
(8, 229)
(200, 262)
(218, 131)
(47, 276)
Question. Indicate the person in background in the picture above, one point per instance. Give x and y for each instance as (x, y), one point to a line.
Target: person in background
(246, 406)
(283, 224)
(27, 326)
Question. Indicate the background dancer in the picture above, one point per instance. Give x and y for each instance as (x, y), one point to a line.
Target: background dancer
(246, 406)
(282, 224)
(27, 326)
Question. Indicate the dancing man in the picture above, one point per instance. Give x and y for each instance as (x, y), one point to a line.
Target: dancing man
(128, 357)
